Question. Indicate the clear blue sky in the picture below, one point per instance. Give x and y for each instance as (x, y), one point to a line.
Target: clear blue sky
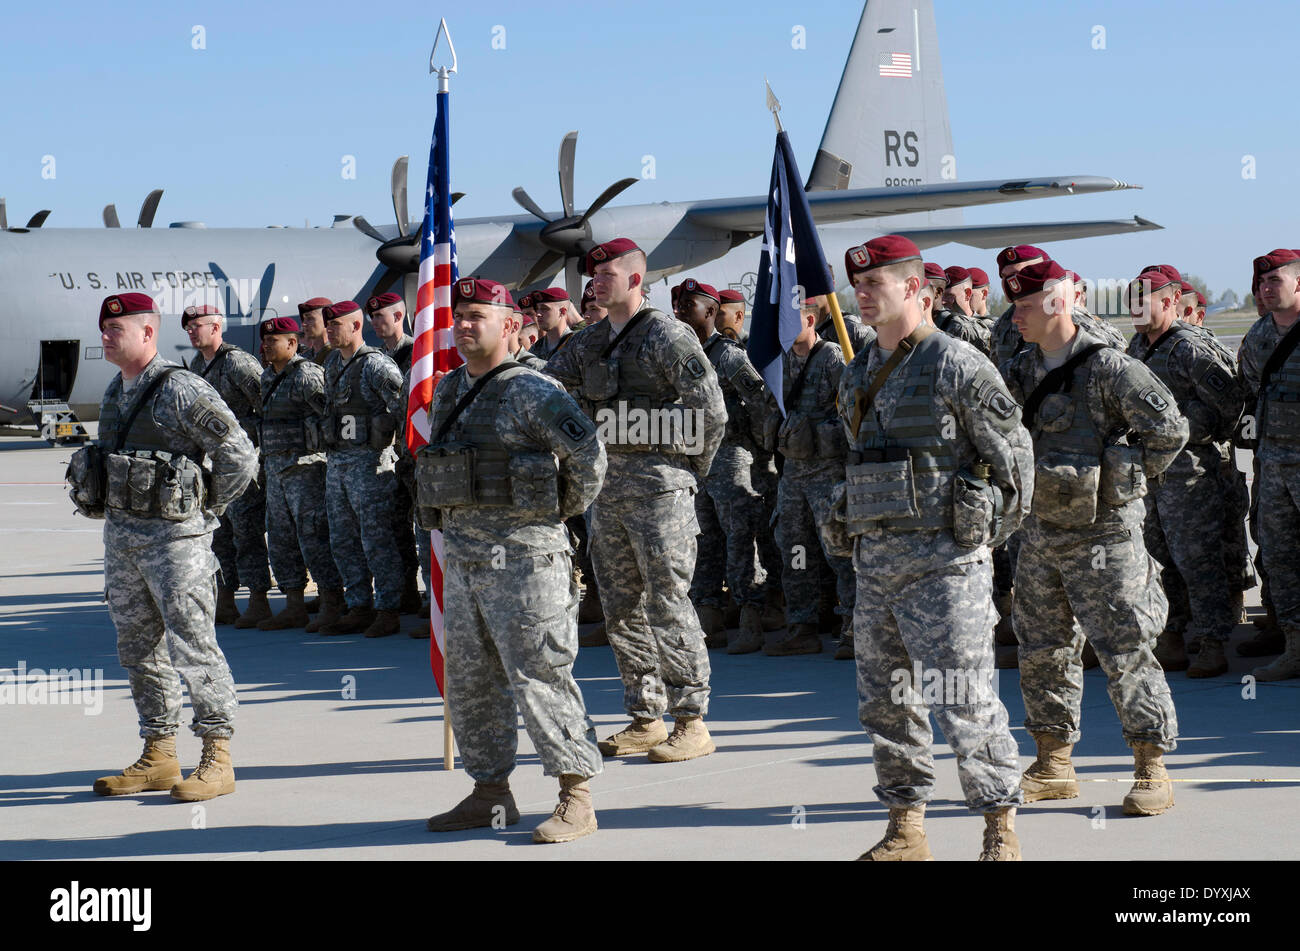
(252, 130)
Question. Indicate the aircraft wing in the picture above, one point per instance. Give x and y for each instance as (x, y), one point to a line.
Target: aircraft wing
(1000, 236)
(747, 214)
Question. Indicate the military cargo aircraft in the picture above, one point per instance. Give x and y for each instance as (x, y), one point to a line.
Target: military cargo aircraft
(885, 164)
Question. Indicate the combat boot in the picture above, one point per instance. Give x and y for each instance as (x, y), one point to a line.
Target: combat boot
(354, 622)
(689, 740)
(1285, 667)
(712, 624)
(313, 606)
(227, 610)
(411, 601)
(573, 816)
(773, 610)
(1268, 638)
(1000, 841)
(1170, 652)
(596, 637)
(259, 609)
(1052, 775)
(904, 839)
(294, 614)
(1153, 793)
(425, 610)
(385, 623)
(214, 776)
(156, 769)
(750, 637)
(331, 600)
(803, 639)
(640, 736)
(844, 649)
(1210, 661)
(488, 803)
(730, 616)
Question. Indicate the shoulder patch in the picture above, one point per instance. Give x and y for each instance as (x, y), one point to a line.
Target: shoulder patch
(1216, 379)
(694, 367)
(990, 393)
(1153, 399)
(207, 415)
(747, 381)
(562, 415)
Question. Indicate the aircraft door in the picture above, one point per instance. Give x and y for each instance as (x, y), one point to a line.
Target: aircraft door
(57, 371)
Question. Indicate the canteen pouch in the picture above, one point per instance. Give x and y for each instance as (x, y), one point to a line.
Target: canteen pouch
(600, 382)
(534, 485)
(1065, 489)
(1282, 421)
(380, 430)
(795, 438)
(86, 477)
(878, 490)
(444, 475)
(181, 488)
(976, 510)
(153, 486)
(830, 440)
(1122, 478)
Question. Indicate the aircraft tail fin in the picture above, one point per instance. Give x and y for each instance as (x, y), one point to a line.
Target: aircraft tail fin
(889, 123)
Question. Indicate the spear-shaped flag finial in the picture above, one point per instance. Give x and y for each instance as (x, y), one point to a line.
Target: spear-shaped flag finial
(773, 104)
(442, 71)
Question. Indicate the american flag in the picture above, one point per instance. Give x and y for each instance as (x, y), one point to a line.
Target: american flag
(896, 64)
(434, 349)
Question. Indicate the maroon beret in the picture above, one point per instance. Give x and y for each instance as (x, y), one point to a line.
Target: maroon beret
(1200, 299)
(957, 274)
(380, 301)
(1187, 288)
(607, 252)
(1168, 270)
(887, 249)
(340, 309)
(692, 286)
(550, 295)
(527, 320)
(588, 293)
(316, 303)
(123, 305)
(477, 290)
(731, 297)
(1274, 260)
(935, 273)
(280, 325)
(526, 302)
(201, 310)
(978, 278)
(675, 292)
(1021, 252)
(1157, 277)
(1032, 279)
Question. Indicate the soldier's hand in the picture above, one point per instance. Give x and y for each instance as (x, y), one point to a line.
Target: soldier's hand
(438, 375)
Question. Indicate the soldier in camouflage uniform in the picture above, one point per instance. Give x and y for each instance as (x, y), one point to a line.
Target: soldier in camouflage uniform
(979, 299)
(1103, 425)
(728, 507)
(731, 316)
(1185, 503)
(511, 617)
(957, 299)
(638, 365)
(553, 309)
(939, 468)
(297, 526)
(145, 477)
(311, 315)
(363, 391)
(956, 324)
(240, 541)
(812, 442)
(1276, 403)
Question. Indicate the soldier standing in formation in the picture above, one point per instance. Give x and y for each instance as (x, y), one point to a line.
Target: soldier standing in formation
(157, 422)
(638, 364)
(363, 391)
(297, 526)
(240, 541)
(511, 619)
(1103, 425)
(315, 346)
(554, 310)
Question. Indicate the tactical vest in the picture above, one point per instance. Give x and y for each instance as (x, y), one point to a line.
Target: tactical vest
(1159, 364)
(1279, 404)
(471, 467)
(737, 432)
(901, 479)
(346, 401)
(287, 427)
(619, 382)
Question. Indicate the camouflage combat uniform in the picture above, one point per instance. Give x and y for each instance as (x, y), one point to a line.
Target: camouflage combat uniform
(812, 442)
(511, 617)
(728, 509)
(963, 327)
(643, 524)
(924, 601)
(1007, 342)
(1184, 506)
(860, 335)
(297, 524)
(160, 572)
(543, 349)
(529, 359)
(363, 397)
(404, 498)
(240, 541)
(1082, 557)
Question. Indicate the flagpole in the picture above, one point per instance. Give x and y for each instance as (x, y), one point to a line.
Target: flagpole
(832, 300)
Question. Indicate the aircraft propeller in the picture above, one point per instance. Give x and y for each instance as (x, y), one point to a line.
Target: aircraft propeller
(35, 221)
(567, 239)
(148, 209)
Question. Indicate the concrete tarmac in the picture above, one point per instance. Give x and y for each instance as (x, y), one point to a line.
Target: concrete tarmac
(338, 746)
